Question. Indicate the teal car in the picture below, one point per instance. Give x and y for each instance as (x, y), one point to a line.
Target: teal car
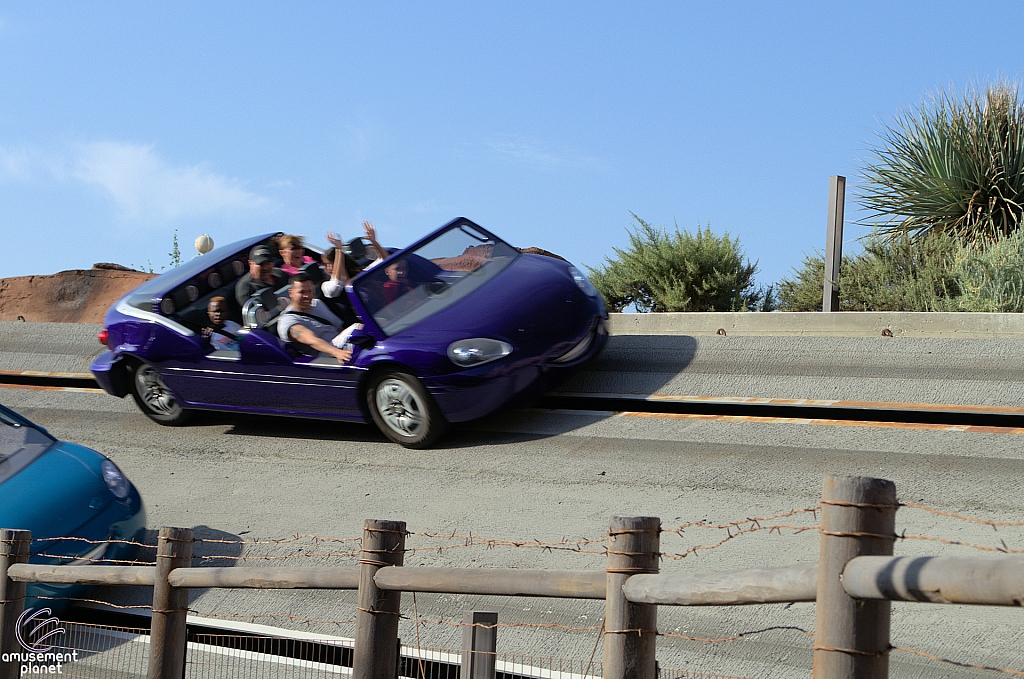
(79, 506)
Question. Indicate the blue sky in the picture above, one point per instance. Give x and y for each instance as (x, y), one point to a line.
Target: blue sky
(547, 123)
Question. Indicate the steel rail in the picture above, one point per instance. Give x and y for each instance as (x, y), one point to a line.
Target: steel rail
(1006, 417)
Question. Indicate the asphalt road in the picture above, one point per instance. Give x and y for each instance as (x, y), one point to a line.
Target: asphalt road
(551, 476)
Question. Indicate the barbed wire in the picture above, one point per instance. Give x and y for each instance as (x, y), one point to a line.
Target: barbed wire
(277, 541)
(962, 543)
(95, 601)
(595, 546)
(471, 540)
(112, 541)
(275, 557)
(254, 616)
(738, 532)
(571, 628)
(924, 654)
(740, 522)
(736, 637)
(687, 674)
(961, 517)
(97, 560)
(539, 625)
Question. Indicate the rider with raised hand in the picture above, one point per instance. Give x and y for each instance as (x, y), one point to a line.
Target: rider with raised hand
(371, 235)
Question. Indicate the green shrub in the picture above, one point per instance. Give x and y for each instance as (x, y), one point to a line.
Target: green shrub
(804, 291)
(934, 272)
(992, 280)
(680, 271)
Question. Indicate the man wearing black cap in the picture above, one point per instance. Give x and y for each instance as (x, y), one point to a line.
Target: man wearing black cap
(262, 274)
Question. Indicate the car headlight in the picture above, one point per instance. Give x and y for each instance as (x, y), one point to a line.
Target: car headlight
(115, 480)
(583, 282)
(478, 350)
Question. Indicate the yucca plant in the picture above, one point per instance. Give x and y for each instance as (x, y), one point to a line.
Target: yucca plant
(953, 165)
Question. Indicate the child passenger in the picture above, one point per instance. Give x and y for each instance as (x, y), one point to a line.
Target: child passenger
(222, 331)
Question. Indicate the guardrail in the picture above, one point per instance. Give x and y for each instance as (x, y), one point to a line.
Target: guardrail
(853, 583)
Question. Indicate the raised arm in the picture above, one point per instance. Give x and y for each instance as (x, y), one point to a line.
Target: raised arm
(371, 235)
(301, 333)
(340, 272)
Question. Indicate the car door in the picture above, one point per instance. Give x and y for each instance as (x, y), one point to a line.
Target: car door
(265, 376)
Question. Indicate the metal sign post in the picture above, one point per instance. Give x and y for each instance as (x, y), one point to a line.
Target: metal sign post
(834, 242)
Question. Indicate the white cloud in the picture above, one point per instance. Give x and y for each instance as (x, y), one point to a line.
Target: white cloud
(19, 164)
(424, 206)
(527, 153)
(531, 153)
(146, 187)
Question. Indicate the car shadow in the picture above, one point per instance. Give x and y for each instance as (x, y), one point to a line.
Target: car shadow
(244, 424)
(637, 365)
(634, 364)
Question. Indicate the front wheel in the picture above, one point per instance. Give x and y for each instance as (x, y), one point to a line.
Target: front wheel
(404, 411)
(155, 398)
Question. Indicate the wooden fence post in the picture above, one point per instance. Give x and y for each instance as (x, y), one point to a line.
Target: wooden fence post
(858, 518)
(479, 645)
(168, 634)
(14, 548)
(375, 655)
(630, 630)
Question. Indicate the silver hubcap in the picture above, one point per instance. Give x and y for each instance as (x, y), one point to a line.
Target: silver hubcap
(154, 392)
(400, 407)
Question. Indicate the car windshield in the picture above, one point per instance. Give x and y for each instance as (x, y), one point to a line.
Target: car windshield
(20, 444)
(420, 283)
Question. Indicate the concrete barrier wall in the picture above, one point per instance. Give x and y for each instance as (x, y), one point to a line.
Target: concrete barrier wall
(48, 347)
(971, 359)
(809, 324)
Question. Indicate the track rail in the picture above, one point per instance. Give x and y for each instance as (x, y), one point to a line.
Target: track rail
(903, 413)
(860, 411)
(33, 378)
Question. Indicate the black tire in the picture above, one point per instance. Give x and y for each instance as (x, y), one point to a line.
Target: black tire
(403, 410)
(153, 396)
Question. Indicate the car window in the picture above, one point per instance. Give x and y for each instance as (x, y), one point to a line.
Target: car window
(20, 444)
(405, 290)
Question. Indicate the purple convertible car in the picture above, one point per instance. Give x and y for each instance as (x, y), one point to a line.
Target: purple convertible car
(475, 327)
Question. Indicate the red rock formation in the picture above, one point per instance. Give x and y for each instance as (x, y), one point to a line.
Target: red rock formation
(77, 296)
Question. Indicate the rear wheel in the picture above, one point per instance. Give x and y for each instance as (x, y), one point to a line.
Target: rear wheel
(404, 411)
(154, 397)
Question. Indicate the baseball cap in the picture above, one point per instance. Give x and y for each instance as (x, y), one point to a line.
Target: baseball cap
(260, 254)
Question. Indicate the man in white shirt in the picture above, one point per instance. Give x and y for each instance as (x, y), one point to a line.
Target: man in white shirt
(309, 321)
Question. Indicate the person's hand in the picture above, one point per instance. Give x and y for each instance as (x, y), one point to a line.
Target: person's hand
(334, 239)
(371, 232)
(206, 332)
(343, 355)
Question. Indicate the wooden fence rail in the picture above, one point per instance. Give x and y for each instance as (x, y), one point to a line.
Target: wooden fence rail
(853, 583)
(934, 579)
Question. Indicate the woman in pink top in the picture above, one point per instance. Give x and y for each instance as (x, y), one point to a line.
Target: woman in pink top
(293, 252)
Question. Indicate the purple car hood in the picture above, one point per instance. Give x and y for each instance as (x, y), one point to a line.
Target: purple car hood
(533, 294)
